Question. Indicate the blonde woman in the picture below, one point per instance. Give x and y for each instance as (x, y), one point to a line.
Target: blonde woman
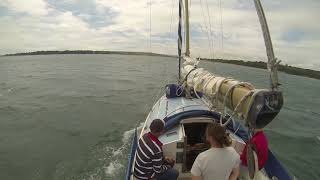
(221, 161)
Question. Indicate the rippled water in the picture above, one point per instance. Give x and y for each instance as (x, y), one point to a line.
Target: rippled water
(72, 116)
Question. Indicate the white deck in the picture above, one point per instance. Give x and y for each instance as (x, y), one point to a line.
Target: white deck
(167, 107)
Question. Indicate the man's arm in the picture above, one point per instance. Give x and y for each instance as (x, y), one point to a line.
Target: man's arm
(234, 174)
(158, 164)
(196, 177)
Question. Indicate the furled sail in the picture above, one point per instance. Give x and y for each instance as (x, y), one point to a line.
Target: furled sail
(257, 107)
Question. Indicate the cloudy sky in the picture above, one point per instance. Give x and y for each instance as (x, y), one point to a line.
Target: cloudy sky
(30, 25)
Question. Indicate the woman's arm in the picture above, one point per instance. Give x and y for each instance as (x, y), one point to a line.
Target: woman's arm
(196, 177)
(234, 174)
(196, 170)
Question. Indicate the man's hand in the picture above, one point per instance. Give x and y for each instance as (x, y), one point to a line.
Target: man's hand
(170, 161)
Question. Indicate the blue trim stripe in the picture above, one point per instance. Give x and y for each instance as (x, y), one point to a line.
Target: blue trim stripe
(134, 146)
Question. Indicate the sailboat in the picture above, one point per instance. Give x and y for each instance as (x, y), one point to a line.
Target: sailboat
(200, 98)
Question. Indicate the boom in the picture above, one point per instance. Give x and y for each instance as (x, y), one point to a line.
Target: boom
(257, 107)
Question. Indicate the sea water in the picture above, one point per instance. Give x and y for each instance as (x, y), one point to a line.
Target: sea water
(73, 116)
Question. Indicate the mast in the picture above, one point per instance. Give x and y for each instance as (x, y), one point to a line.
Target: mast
(187, 28)
(187, 53)
(272, 61)
(180, 39)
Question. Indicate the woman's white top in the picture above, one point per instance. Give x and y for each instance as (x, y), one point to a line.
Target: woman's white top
(216, 163)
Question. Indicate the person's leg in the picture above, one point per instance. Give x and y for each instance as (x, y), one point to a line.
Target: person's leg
(171, 174)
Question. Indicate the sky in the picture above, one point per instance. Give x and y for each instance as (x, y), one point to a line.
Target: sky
(232, 31)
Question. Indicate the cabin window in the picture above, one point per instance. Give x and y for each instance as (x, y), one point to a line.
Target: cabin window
(172, 133)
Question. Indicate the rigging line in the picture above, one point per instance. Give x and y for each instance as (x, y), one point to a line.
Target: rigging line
(221, 25)
(170, 37)
(210, 28)
(208, 32)
(146, 27)
(149, 105)
(171, 22)
(206, 27)
(205, 22)
(150, 27)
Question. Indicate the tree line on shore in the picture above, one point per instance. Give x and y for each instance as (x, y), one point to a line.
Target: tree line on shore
(282, 67)
(256, 64)
(84, 52)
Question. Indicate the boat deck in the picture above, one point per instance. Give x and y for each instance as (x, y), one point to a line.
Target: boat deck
(177, 112)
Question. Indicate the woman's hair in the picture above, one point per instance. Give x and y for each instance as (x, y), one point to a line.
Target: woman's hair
(219, 135)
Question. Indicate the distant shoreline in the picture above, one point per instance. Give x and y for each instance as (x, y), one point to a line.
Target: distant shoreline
(256, 64)
(263, 65)
(86, 52)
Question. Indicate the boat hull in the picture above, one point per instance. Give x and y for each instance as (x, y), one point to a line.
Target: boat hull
(180, 114)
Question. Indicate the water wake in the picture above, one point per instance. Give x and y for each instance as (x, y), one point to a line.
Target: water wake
(117, 154)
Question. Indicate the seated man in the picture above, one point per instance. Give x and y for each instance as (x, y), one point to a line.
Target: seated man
(150, 162)
(221, 161)
(261, 147)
